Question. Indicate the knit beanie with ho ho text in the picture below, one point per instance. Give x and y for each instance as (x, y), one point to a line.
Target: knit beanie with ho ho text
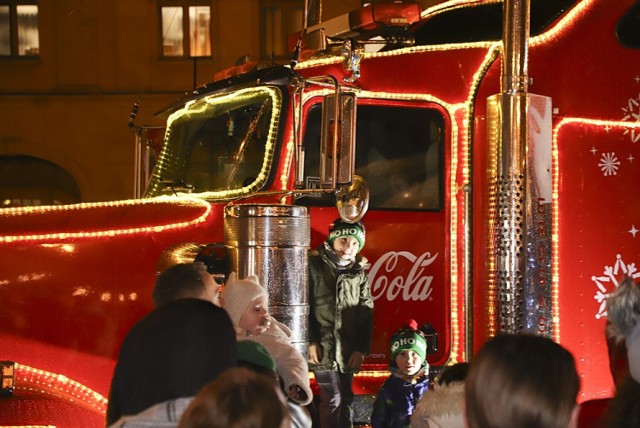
(340, 228)
(408, 338)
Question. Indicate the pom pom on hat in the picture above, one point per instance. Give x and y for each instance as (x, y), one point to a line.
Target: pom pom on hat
(340, 228)
(239, 293)
(408, 338)
(254, 353)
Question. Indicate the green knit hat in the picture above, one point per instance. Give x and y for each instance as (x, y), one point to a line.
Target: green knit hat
(341, 228)
(254, 353)
(408, 338)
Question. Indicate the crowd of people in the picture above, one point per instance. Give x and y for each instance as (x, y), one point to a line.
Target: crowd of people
(211, 355)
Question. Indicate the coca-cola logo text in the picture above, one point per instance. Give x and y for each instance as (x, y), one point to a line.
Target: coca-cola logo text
(415, 286)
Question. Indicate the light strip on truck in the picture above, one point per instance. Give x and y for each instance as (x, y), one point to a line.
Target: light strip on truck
(599, 124)
(9, 212)
(52, 384)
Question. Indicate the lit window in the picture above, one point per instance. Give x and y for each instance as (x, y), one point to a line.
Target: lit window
(280, 18)
(19, 28)
(186, 29)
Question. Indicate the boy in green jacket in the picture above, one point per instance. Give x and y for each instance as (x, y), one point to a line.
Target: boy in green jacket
(340, 319)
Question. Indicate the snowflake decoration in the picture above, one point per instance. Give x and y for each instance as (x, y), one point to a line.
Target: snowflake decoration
(610, 274)
(609, 164)
(632, 114)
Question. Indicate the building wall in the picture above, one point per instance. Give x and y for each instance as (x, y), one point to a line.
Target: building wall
(71, 105)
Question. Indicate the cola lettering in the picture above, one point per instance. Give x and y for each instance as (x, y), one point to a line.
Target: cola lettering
(415, 287)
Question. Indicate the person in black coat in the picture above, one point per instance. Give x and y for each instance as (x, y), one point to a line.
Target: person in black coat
(172, 352)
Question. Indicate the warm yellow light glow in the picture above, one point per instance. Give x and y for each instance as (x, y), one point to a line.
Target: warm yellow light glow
(548, 36)
(562, 25)
(460, 142)
(364, 374)
(452, 110)
(373, 373)
(453, 4)
(28, 426)
(68, 248)
(289, 150)
(555, 277)
(461, 159)
(239, 96)
(9, 212)
(65, 248)
(58, 385)
(404, 51)
(80, 291)
(460, 149)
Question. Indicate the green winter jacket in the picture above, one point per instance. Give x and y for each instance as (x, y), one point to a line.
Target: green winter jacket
(341, 310)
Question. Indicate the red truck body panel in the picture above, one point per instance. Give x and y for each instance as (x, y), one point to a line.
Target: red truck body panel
(74, 279)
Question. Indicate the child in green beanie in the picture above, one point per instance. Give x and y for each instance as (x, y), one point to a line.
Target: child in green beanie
(340, 320)
(409, 379)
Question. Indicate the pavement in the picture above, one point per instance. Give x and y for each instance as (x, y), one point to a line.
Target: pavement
(362, 406)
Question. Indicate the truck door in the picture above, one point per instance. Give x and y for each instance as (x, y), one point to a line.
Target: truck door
(401, 152)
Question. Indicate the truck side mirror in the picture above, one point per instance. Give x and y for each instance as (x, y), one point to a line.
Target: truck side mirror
(353, 201)
(337, 140)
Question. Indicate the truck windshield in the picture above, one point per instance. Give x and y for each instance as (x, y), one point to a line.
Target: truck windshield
(220, 145)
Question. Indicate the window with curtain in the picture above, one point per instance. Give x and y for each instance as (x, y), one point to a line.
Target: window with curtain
(186, 29)
(19, 36)
(280, 18)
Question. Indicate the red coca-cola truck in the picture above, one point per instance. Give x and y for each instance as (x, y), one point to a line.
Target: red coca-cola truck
(496, 177)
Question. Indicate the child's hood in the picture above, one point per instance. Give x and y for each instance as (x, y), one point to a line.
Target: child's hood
(238, 294)
(443, 400)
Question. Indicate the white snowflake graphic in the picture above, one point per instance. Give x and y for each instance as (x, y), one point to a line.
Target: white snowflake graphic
(610, 275)
(632, 114)
(609, 164)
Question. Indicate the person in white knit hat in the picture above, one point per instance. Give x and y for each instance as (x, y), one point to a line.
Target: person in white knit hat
(247, 304)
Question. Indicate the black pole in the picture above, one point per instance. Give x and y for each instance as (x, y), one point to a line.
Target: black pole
(195, 72)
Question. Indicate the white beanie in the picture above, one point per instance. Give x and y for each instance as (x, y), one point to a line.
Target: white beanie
(239, 293)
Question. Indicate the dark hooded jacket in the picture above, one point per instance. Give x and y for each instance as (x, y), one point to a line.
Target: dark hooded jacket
(171, 353)
(341, 314)
(396, 401)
